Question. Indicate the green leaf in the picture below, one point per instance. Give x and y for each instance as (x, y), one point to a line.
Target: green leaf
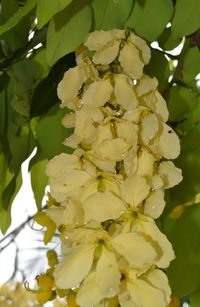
(9, 187)
(21, 146)
(189, 162)
(45, 94)
(195, 299)
(11, 191)
(161, 71)
(68, 29)
(22, 74)
(39, 180)
(181, 101)
(186, 18)
(149, 18)
(191, 119)
(191, 64)
(46, 9)
(17, 37)
(40, 62)
(109, 14)
(50, 133)
(21, 13)
(184, 271)
(167, 41)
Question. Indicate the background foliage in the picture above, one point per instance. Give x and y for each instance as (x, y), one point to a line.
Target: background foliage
(37, 43)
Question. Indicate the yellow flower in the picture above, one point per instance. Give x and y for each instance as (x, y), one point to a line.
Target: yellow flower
(43, 219)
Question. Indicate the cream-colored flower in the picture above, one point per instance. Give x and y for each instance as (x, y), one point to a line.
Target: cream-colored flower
(68, 121)
(171, 174)
(124, 92)
(66, 176)
(68, 213)
(130, 61)
(154, 204)
(102, 206)
(97, 94)
(70, 85)
(134, 55)
(169, 144)
(108, 147)
(150, 289)
(134, 190)
(106, 44)
(142, 46)
(150, 97)
(145, 163)
(74, 267)
(146, 85)
(149, 128)
(84, 128)
(147, 227)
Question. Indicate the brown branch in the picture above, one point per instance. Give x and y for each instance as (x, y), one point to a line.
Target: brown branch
(14, 233)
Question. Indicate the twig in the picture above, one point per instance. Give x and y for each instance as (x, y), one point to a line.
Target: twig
(13, 234)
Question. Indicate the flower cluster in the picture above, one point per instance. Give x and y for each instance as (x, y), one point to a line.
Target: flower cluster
(109, 191)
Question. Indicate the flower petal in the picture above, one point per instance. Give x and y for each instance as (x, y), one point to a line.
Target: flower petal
(89, 294)
(135, 189)
(158, 279)
(145, 295)
(130, 61)
(74, 268)
(170, 173)
(146, 85)
(142, 45)
(124, 92)
(70, 84)
(68, 121)
(159, 241)
(150, 127)
(154, 204)
(102, 206)
(98, 93)
(113, 149)
(169, 143)
(145, 163)
(97, 40)
(135, 248)
(107, 274)
(84, 128)
(108, 54)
